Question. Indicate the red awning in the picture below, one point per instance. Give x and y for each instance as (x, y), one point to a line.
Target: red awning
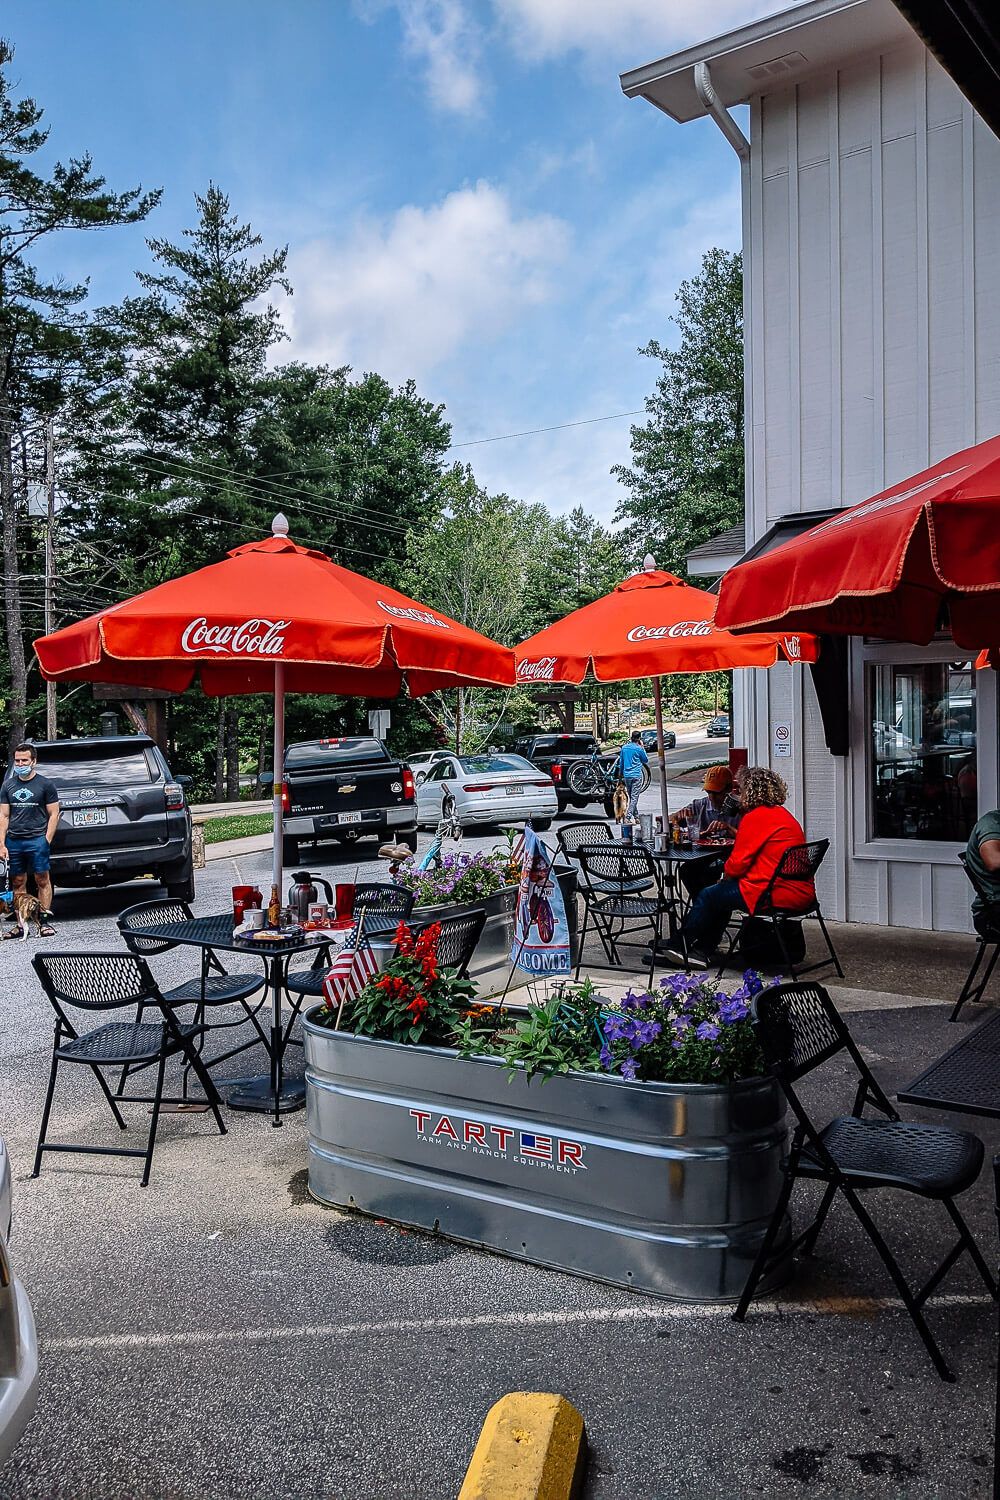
(887, 566)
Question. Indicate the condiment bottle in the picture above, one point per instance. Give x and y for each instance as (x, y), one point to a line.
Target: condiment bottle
(274, 908)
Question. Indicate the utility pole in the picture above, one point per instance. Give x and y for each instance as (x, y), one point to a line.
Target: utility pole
(50, 565)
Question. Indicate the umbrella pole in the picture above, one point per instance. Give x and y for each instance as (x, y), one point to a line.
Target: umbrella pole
(277, 776)
(661, 758)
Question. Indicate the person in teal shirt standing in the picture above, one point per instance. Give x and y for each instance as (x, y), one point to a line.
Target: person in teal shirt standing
(631, 761)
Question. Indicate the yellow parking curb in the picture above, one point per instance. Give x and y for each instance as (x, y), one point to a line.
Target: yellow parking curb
(532, 1447)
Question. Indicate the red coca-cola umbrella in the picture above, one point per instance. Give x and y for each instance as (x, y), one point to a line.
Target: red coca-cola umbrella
(890, 566)
(653, 624)
(272, 616)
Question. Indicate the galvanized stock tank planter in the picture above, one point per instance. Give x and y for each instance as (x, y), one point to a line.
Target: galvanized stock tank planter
(665, 1188)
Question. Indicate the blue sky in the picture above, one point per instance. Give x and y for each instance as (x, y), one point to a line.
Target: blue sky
(467, 196)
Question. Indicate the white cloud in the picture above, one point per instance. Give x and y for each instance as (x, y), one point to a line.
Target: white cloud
(405, 294)
(543, 29)
(442, 37)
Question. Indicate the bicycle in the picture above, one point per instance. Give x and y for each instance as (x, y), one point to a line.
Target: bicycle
(592, 780)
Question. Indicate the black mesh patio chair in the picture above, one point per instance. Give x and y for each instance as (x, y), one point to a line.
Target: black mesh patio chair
(459, 938)
(799, 1029)
(612, 904)
(588, 833)
(96, 983)
(996, 1397)
(213, 988)
(384, 904)
(800, 863)
(988, 939)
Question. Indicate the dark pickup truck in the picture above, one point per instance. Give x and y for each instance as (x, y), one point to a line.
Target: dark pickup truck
(343, 790)
(555, 753)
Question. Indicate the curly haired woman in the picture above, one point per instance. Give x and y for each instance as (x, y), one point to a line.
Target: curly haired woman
(766, 830)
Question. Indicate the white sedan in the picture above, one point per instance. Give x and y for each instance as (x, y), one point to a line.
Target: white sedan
(487, 788)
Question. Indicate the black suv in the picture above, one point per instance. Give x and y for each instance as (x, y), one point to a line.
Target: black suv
(122, 813)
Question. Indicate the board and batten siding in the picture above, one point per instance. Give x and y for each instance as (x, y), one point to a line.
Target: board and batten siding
(874, 350)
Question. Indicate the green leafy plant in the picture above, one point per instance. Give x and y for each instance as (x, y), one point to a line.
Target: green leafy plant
(561, 1035)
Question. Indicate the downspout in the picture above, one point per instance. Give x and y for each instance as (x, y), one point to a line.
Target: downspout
(705, 89)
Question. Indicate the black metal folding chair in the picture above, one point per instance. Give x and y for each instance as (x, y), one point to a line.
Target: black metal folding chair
(986, 939)
(459, 938)
(613, 903)
(800, 1029)
(384, 905)
(213, 988)
(589, 833)
(799, 865)
(100, 982)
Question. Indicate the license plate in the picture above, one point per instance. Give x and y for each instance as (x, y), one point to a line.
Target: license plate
(354, 817)
(89, 817)
(514, 791)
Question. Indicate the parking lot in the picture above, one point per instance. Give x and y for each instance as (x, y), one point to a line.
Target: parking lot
(220, 1334)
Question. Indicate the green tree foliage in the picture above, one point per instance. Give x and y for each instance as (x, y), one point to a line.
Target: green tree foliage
(46, 343)
(685, 483)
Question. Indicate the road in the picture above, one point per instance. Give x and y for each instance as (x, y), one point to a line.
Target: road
(219, 1334)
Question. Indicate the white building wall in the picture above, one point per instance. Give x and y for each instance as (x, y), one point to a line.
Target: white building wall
(874, 350)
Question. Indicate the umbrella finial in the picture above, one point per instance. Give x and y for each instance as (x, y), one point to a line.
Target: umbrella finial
(649, 563)
(279, 526)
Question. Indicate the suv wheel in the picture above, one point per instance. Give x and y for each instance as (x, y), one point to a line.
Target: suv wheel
(179, 882)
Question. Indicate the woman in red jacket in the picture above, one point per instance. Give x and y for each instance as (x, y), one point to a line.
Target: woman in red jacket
(766, 830)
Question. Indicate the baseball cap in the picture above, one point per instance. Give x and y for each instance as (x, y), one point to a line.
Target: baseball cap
(718, 779)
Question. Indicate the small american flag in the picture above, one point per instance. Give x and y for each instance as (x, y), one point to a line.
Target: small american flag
(538, 1146)
(350, 970)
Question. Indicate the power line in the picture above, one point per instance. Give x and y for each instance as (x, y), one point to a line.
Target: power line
(266, 488)
(178, 469)
(505, 437)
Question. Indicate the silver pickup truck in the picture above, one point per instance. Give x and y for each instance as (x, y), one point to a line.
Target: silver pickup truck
(18, 1343)
(342, 790)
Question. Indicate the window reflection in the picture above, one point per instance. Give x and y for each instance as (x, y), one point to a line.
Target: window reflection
(924, 750)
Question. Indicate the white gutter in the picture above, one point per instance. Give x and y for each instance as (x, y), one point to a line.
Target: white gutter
(705, 89)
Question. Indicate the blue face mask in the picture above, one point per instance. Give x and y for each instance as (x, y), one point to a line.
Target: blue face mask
(23, 771)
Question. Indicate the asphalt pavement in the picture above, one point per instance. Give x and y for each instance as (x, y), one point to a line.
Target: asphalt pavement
(218, 1334)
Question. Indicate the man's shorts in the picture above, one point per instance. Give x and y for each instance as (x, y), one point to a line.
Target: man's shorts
(29, 856)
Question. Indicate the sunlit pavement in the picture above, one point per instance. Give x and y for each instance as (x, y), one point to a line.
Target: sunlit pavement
(219, 1334)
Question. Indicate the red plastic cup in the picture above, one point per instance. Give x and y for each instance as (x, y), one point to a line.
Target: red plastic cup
(344, 898)
(242, 898)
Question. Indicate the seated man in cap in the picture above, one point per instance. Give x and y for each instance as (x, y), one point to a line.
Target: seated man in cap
(718, 812)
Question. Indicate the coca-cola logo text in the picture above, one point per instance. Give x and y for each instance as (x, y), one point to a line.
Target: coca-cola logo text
(542, 670)
(793, 647)
(422, 616)
(670, 632)
(252, 638)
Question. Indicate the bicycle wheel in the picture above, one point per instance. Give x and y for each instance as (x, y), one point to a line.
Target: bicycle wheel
(645, 778)
(583, 779)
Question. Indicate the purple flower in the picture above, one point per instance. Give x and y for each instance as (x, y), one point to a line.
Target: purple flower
(607, 1058)
(628, 1068)
(707, 1032)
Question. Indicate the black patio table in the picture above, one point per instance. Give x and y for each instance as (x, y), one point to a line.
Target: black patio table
(268, 1091)
(966, 1079)
(672, 858)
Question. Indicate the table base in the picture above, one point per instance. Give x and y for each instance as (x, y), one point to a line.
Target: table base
(258, 1095)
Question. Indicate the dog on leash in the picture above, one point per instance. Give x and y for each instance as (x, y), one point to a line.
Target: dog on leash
(24, 909)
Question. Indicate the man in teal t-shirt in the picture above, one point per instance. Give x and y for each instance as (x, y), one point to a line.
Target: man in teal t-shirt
(632, 758)
(982, 855)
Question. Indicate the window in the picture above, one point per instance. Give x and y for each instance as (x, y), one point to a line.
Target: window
(94, 766)
(494, 764)
(923, 760)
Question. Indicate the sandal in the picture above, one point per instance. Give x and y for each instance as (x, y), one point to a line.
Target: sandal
(46, 930)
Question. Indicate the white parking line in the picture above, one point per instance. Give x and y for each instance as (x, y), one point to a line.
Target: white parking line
(665, 1312)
